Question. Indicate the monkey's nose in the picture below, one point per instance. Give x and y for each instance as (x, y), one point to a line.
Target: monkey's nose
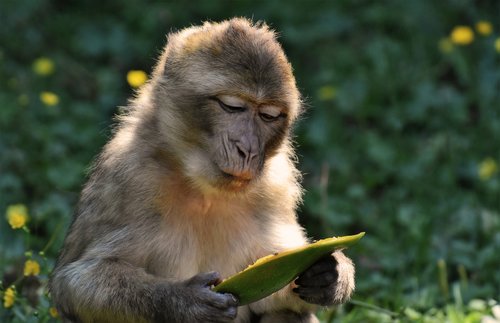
(245, 153)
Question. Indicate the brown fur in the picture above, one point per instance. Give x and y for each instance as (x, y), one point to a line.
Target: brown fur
(157, 210)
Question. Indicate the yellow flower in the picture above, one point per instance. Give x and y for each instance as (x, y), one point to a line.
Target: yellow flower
(136, 78)
(497, 45)
(462, 35)
(53, 312)
(9, 296)
(17, 215)
(49, 98)
(487, 168)
(327, 92)
(484, 27)
(43, 66)
(445, 45)
(31, 268)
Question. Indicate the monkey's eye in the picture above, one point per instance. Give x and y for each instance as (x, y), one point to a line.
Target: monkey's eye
(230, 104)
(268, 117)
(270, 113)
(230, 108)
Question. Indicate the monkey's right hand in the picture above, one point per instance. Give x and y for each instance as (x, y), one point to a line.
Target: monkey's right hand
(193, 300)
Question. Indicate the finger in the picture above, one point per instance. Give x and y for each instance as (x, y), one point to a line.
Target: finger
(214, 313)
(318, 300)
(232, 300)
(323, 296)
(313, 292)
(231, 313)
(320, 280)
(323, 265)
(221, 301)
(207, 279)
(220, 316)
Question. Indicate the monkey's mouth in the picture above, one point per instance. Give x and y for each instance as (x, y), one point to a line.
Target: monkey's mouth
(245, 174)
(235, 178)
(234, 182)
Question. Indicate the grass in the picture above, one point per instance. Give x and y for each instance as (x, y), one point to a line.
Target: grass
(401, 138)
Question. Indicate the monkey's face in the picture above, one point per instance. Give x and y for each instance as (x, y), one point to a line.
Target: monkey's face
(243, 133)
(224, 138)
(232, 101)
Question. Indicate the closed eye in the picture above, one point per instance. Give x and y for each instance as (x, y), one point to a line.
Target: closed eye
(229, 108)
(269, 118)
(270, 113)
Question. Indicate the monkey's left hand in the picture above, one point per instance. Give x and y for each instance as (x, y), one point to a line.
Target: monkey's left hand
(329, 281)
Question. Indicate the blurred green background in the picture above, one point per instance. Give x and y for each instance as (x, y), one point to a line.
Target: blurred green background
(401, 138)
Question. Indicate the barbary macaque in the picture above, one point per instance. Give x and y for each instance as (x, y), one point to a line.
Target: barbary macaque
(197, 182)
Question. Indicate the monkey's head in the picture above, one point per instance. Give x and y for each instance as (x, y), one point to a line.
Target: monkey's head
(225, 97)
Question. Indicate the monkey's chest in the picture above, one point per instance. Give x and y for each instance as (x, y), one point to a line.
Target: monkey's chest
(225, 243)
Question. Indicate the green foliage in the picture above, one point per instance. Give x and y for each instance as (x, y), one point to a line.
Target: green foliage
(401, 138)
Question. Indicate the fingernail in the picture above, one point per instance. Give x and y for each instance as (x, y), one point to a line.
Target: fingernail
(234, 299)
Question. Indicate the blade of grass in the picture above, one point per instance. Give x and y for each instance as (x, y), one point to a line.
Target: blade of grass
(374, 307)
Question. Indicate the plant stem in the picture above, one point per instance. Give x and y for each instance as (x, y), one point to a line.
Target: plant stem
(52, 238)
(373, 307)
(443, 278)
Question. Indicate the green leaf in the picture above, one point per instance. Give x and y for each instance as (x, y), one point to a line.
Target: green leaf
(271, 273)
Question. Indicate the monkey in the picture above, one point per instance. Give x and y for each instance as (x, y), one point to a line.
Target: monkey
(198, 180)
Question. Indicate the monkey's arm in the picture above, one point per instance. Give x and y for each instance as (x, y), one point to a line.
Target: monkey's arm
(101, 289)
(113, 290)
